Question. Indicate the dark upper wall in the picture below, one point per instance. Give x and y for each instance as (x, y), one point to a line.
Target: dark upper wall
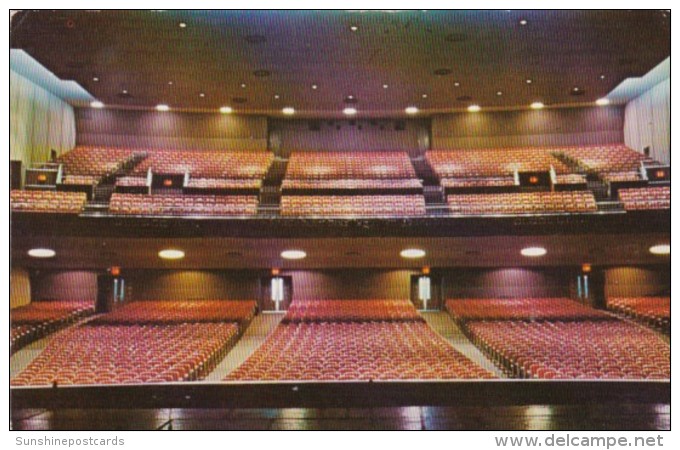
(64, 285)
(506, 283)
(547, 127)
(170, 130)
(192, 285)
(350, 284)
(637, 281)
(360, 134)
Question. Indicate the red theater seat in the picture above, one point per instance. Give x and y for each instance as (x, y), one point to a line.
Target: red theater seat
(47, 201)
(636, 199)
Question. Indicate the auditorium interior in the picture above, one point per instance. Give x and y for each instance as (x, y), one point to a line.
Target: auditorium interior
(339, 220)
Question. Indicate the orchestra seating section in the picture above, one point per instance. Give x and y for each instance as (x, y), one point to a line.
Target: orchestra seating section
(206, 164)
(651, 311)
(361, 170)
(88, 165)
(636, 199)
(523, 203)
(37, 319)
(47, 201)
(561, 339)
(608, 159)
(358, 340)
(183, 205)
(352, 205)
(141, 345)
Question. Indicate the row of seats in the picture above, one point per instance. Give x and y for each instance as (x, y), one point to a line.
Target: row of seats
(477, 182)
(131, 181)
(605, 158)
(621, 177)
(94, 161)
(351, 310)
(320, 165)
(207, 164)
(39, 318)
(523, 203)
(465, 310)
(176, 311)
(634, 199)
(315, 342)
(353, 205)
(493, 162)
(188, 205)
(130, 354)
(223, 183)
(382, 184)
(574, 349)
(80, 180)
(653, 311)
(47, 201)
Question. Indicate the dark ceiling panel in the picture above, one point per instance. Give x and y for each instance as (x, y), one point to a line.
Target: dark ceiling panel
(217, 51)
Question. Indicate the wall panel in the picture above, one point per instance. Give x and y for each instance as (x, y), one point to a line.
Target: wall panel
(647, 122)
(506, 283)
(19, 288)
(64, 285)
(39, 121)
(637, 281)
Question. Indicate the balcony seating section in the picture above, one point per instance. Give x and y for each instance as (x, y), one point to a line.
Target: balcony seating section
(457, 183)
(228, 184)
(523, 203)
(353, 205)
(362, 165)
(183, 205)
(621, 177)
(37, 319)
(604, 159)
(571, 178)
(493, 163)
(143, 342)
(355, 340)
(351, 184)
(636, 199)
(130, 354)
(351, 310)
(44, 201)
(559, 338)
(94, 161)
(466, 310)
(651, 311)
(574, 349)
(80, 180)
(207, 164)
(176, 311)
(131, 181)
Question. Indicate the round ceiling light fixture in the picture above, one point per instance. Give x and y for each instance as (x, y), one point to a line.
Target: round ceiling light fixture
(349, 111)
(537, 105)
(411, 110)
(96, 104)
(293, 254)
(226, 110)
(41, 253)
(412, 253)
(288, 110)
(661, 249)
(602, 101)
(171, 253)
(162, 108)
(474, 108)
(533, 252)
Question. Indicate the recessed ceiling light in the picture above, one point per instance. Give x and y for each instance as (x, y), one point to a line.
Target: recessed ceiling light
(41, 253)
(170, 83)
(95, 78)
(602, 101)
(662, 249)
(602, 77)
(575, 89)
(277, 96)
(288, 110)
(349, 111)
(162, 108)
(354, 28)
(243, 85)
(456, 84)
(96, 104)
(529, 81)
(424, 95)
(125, 91)
(411, 110)
(499, 93)
(315, 87)
(385, 86)
(293, 254)
(350, 97)
(523, 22)
(533, 252)
(171, 253)
(182, 25)
(201, 95)
(226, 110)
(474, 108)
(537, 105)
(412, 253)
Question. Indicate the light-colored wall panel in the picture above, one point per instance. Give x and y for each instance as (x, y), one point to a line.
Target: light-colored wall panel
(19, 288)
(39, 121)
(647, 122)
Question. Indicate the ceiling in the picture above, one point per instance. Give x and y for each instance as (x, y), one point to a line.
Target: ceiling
(435, 60)
(383, 252)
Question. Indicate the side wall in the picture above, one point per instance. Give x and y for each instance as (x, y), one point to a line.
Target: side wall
(170, 130)
(548, 127)
(38, 122)
(648, 122)
(19, 288)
